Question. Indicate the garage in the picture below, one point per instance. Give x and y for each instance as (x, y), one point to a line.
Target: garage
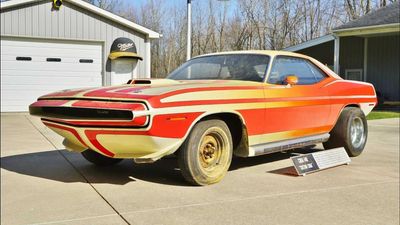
(45, 48)
(31, 68)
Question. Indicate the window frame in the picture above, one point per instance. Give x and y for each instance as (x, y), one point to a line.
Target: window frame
(295, 57)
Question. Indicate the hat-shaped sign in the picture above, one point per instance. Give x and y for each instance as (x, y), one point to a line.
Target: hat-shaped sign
(123, 47)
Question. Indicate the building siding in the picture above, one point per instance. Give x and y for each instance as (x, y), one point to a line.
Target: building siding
(39, 20)
(351, 54)
(383, 65)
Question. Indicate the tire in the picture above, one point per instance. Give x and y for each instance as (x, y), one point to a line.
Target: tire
(381, 98)
(99, 159)
(350, 132)
(205, 156)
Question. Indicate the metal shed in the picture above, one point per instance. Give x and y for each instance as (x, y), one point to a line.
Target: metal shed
(44, 49)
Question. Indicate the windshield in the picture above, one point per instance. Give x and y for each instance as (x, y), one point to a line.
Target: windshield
(249, 67)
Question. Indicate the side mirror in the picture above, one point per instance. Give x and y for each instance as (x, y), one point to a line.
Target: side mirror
(291, 80)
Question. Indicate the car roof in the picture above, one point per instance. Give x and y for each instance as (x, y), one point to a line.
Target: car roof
(273, 53)
(259, 52)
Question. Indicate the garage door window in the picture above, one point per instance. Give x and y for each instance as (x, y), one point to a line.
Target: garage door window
(53, 60)
(86, 60)
(23, 58)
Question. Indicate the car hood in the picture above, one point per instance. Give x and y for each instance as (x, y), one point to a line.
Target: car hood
(151, 89)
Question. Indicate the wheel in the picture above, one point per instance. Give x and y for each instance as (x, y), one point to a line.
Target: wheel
(350, 132)
(99, 159)
(205, 156)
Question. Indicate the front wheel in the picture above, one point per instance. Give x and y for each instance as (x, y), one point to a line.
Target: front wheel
(99, 159)
(206, 154)
(350, 132)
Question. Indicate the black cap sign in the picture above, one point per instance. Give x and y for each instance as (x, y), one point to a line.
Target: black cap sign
(124, 47)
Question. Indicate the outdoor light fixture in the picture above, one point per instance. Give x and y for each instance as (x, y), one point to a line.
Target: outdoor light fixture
(57, 4)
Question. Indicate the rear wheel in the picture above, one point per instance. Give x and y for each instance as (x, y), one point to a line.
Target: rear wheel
(350, 132)
(99, 159)
(206, 154)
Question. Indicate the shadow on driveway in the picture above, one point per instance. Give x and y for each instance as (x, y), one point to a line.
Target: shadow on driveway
(51, 165)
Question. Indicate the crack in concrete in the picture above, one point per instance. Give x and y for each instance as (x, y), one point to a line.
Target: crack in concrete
(79, 172)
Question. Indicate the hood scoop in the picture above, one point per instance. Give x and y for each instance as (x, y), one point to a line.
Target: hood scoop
(154, 82)
(138, 81)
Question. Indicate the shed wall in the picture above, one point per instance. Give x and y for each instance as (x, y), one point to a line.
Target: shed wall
(351, 54)
(322, 52)
(383, 65)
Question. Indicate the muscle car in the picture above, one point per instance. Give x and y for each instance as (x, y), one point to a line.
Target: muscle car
(243, 103)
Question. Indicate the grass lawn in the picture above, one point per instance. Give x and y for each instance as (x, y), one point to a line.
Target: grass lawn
(374, 115)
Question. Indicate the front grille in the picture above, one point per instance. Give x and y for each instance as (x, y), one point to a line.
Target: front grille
(80, 113)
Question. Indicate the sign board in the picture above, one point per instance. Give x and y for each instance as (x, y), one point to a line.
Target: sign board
(316, 161)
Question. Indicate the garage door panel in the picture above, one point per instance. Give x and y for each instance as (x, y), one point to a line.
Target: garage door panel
(24, 81)
(71, 59)
(60, 74)
(17, 102)
(10, 82)
(50, 66)
(21, 94)
(49, 52)
(13, 108)
(51, 44)
(25, 94)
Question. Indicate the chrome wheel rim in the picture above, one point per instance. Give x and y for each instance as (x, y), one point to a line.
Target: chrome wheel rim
(357, 132)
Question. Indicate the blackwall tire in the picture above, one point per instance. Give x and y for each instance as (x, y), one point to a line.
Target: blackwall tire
(99, 159)
(205, 156)
(350, 132)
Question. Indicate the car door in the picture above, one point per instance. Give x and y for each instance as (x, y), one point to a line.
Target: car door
(299, 110)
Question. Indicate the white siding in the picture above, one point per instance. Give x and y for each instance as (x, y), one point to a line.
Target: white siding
(70, 22)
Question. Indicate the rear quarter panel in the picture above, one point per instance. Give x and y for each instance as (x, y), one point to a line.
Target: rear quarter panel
(350, 93)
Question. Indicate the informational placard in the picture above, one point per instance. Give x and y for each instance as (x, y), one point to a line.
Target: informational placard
(317, 161)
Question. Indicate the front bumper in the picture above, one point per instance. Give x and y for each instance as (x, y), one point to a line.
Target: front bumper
(105, 127)
(116, 143)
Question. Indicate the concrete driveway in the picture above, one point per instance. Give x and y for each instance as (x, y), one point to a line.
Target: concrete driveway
(41, 183)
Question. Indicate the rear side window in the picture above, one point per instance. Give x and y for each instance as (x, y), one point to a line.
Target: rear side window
(284, 66)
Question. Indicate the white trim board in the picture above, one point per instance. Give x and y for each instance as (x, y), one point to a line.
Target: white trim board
(375, 28)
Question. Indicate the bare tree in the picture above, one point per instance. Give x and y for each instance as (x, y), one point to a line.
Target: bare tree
(252, 24)
(355, 9)
(109, 5)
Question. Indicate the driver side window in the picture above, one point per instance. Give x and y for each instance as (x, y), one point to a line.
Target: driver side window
(306, 72)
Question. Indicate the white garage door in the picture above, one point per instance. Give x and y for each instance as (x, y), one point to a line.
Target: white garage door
(31, 68)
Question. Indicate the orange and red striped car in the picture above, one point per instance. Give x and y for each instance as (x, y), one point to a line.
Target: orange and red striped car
(244, 103)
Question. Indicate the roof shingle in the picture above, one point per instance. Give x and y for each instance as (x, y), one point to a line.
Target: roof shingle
(386, 15)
